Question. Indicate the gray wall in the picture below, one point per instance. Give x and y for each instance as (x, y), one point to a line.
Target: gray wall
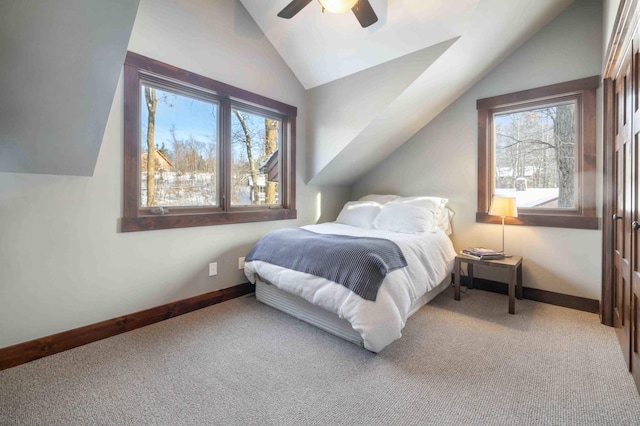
(342, 109)
(442, 158)
(610, 10)
(62, 262)
(60, 62)
(64, 265)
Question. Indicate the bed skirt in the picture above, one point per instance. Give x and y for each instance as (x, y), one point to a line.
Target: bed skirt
(299, 308)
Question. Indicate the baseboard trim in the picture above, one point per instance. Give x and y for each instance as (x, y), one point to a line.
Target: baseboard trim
(21, 353)
(544, 296)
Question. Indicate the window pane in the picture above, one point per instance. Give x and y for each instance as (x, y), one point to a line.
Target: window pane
(535, 156)
(255, 159)
(182, 133)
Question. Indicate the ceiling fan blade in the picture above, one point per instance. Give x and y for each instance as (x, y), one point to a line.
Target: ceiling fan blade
(365, 14)
(292, 8)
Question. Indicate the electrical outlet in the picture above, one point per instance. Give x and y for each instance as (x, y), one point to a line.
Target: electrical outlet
(241, 263)
(213, 269)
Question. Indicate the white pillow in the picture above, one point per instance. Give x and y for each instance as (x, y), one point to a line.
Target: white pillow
(382, 199)
(431, 203)
(406, 218)
(359, 213)
(444, 220)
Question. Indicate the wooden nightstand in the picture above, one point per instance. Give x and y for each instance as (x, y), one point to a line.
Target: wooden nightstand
(513, 264)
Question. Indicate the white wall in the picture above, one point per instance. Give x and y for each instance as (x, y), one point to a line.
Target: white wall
(340, 110)
(442, 158)
(610, 10)
(56, 53)
(63, 264)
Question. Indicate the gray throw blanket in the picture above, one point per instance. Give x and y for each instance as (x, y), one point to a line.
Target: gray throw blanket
(358, 263)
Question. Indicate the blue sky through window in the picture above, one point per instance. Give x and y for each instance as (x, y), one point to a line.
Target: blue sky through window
(191, 117)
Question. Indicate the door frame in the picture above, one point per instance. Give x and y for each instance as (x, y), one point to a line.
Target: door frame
(627, 20)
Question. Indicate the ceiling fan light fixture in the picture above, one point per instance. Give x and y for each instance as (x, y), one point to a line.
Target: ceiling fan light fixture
(338, 6)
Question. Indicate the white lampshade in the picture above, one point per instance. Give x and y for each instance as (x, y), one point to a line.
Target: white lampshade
(503, 206)
(338, 6)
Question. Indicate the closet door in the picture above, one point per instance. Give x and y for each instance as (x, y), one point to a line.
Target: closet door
(635, 224)
(634, 291)
(623, 207)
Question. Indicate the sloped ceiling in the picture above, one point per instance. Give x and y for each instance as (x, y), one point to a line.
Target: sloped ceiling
(370, 89)
(350, 144)
(341, 110)
(59, 67)
(322, 47)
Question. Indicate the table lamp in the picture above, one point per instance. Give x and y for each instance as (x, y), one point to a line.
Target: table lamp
(503, 207)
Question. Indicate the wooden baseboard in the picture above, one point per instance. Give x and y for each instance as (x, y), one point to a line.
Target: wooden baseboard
(21, 353)
(558, 299)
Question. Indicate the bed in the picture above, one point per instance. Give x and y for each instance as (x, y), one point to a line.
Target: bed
(417, 227)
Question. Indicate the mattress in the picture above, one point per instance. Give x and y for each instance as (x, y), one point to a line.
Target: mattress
(299, 308)
(429, 257)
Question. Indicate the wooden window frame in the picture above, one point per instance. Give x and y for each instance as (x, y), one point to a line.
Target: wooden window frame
(583, 216)
(137, 69)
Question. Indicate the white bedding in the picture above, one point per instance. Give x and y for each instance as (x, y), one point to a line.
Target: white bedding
(429, 258)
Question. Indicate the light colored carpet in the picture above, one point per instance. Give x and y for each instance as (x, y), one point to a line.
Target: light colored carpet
(240, 362)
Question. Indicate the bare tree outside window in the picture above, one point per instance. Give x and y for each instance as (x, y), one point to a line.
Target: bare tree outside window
(535, 155)
(151, 102)
(199, 152)
(183, 172)
(254, 162)
(539, 146)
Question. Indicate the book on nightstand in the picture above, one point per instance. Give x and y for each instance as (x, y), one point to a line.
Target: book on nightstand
(482, 253)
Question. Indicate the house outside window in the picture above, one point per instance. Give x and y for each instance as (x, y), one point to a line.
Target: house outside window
(538, 146)
(220, 154)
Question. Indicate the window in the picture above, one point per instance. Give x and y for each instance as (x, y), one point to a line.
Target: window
(539, 146)
(199, 152)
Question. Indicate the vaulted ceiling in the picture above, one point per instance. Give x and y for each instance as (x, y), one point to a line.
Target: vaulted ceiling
(322, 47)
(369, 90)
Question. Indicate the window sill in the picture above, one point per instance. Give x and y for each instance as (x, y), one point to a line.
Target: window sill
(551, 221)
(169, 221)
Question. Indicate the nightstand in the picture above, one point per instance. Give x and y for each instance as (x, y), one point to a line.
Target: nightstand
(512, 264)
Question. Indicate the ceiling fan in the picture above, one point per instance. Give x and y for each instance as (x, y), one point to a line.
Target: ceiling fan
(361, 8)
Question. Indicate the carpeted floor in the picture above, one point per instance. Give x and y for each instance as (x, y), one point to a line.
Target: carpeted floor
(240, 362)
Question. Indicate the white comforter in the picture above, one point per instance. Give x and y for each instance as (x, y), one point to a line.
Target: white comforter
(429, 260)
